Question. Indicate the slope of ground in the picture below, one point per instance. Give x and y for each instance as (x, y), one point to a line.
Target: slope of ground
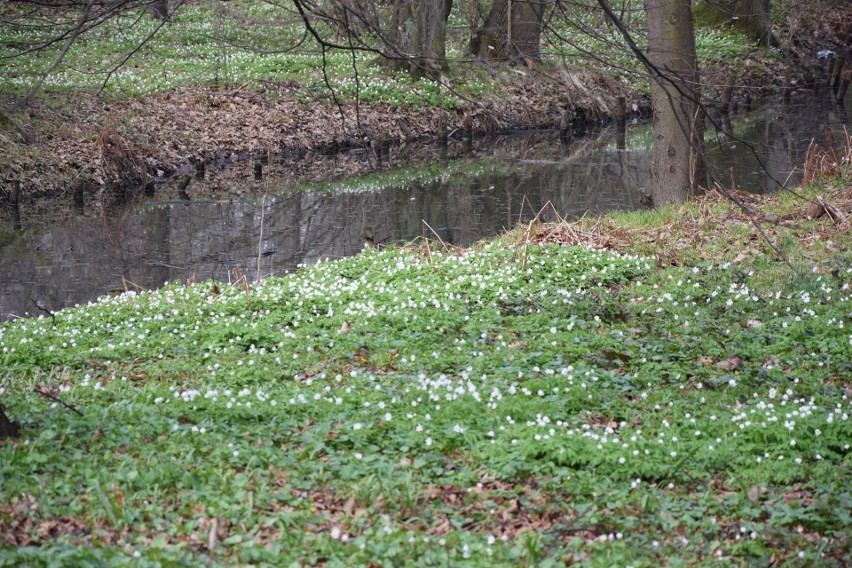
(158, 128)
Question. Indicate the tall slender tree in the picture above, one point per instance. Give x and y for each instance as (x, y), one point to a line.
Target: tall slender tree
(677, 163)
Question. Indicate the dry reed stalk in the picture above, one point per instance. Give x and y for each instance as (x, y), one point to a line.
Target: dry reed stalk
(118, 163)
(426, 248)
(824, 161)
(243, 283)
(846, 158)
(128, 283)
(440, 240)
(260, 239)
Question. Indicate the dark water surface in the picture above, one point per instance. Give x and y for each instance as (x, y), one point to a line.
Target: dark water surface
(463, 195)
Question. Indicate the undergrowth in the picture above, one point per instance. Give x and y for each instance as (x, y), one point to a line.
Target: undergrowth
(249, 44)
(508, 404)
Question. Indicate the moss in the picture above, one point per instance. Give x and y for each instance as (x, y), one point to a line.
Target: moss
(755, 26)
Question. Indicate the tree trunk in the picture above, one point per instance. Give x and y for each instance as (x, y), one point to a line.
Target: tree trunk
(677, 162)
(510, 34)
(418, 36)
(159, 9)
(751, 17)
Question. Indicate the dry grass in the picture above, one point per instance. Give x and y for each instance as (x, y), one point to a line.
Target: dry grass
(117, 160)
(823, 161)
(724, 225)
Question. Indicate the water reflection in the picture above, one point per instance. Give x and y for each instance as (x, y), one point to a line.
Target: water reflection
(462, 196)
(468, 198)
(780, 136)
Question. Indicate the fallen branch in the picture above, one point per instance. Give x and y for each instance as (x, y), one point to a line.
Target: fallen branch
(833, 212)
(54, 399)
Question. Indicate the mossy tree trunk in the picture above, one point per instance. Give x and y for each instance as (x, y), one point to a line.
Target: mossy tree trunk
(677, 162)
(159, 9)
(512, 30)
(751, 17)
(418, 37)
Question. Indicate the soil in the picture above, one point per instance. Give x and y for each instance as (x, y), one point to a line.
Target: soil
(65, 146)
(8, 428)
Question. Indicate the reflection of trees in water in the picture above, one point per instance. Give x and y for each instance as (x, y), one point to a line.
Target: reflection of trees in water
(82, 259)
(781, 137)
(208, 239)
(87, 257)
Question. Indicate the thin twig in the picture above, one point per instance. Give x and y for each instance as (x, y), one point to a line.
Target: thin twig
(128, 283)
(440, 240)
(526, 244)
(45, 310)
(521, 210)
(84, 18)
(260, 239)
(753, 219)
(136, 48)
(54, 399)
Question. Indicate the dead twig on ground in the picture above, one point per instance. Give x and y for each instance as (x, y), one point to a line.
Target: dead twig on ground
(49, 396)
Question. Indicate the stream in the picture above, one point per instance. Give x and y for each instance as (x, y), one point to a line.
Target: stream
(459, 194)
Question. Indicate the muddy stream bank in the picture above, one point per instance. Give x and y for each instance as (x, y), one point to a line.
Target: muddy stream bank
(72, 253)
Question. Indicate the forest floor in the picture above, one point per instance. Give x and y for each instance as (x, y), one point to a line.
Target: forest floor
(74, 136)
(665, 387)
(644, 389)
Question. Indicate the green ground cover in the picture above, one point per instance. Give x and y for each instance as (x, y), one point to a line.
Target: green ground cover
(258, 43)
(508, 404)
(245, 42)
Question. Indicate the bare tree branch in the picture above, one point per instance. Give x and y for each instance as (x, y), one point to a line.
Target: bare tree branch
(84, 17)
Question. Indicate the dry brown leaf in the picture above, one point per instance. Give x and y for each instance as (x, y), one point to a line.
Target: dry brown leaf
(730, 364)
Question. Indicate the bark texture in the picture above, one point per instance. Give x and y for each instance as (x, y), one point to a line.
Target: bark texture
(418, 35)
(677, 164)
(750, 17)
(159, 9)
(512, 30)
